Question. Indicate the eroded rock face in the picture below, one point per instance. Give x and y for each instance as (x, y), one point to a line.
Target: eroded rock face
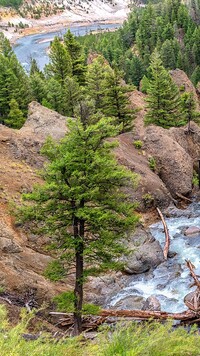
(173, 163)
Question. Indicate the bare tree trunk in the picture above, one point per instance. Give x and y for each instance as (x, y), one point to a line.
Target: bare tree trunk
(78, 290)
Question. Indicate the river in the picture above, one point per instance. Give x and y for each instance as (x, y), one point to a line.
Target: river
(171, 280)
(36, 46)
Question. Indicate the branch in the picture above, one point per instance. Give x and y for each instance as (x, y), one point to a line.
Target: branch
(184, 198)
(193, 274)
(167, 237)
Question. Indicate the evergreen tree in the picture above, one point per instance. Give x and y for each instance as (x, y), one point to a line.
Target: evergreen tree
(167, 55)
(54, 95)
(95, 78)
(163, 99)
(77, 59)
(189, 109)
(15, 117)
(38, 87)
(81, 205)
(196, 76)
(60, 66)
(116, 102)
(71, 95)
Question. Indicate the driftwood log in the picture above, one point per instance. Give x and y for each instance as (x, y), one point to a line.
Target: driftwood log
(167, 237)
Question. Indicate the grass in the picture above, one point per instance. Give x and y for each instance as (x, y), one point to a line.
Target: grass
(125, 339)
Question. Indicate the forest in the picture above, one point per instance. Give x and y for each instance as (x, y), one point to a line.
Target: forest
(82, 205)
(166, 28)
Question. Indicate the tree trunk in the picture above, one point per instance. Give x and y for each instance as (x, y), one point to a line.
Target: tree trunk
(78, 290)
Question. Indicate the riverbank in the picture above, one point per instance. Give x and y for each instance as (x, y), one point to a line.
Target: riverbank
(56, 23)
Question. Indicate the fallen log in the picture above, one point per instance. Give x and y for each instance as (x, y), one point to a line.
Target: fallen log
(167, 237)
(105, 314)
(148, 314)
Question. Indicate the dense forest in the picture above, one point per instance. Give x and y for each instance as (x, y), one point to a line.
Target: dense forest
(166, 27)
(11, 3)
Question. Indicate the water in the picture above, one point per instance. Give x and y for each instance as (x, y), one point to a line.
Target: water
(36, 46)
(171, 280)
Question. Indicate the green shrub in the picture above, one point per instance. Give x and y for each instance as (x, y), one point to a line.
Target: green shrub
(195, 179)
(148, 199)
(65, 303)
(152, 163)
(138, 144)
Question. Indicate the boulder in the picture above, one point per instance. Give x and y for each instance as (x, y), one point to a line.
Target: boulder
(174, 165)
(147, 253)
(192, 230)
(152, 303)
(130, 302)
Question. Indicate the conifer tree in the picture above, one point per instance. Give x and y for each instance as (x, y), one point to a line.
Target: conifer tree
(95, 80)
(60, 65)
(15, 117)
(163, 99)
(81, 205)
(116, 102)
(189, 112)
(75, 51)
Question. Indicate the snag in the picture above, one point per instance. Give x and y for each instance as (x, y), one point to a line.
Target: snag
(167, 237)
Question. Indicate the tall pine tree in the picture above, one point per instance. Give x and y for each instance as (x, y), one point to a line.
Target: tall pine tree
(163, 99)
(81, 205)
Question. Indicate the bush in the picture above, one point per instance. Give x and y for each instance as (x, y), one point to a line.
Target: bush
(138, 144)
(152, 163)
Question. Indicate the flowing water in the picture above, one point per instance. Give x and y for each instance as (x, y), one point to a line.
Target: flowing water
(171, 280)
(36, 46)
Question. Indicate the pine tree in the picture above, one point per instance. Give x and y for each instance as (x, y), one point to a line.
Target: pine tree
(81, 205)
(72, 95)
(116, 102)
(167, 55)
(163, 99)
(15, 117)
(75, 51)
(60, 66)
(95, 80)
(189, 112)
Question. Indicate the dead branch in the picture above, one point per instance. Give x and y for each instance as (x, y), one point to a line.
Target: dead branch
(193, 274)
(167, 237)
(6, 300)
(184, 198)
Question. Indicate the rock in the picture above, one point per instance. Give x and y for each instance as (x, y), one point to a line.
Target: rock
(181, 80)
(192, 300)
(192, 230)
(8, 246)
(152, 303)
(130, 302)
(43, 122)
(144, 258)
(175, 167)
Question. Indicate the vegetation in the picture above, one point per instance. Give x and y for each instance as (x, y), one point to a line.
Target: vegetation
(152, 339)
(12, 3)
(166, 25)
(163, 99)
(81, 206)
